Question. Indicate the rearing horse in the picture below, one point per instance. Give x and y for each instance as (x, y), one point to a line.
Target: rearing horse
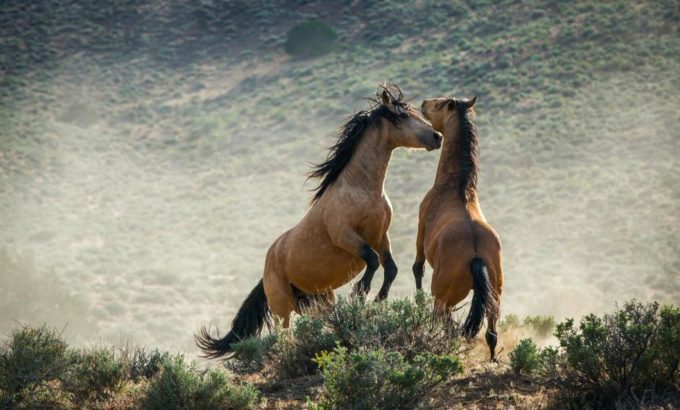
(344, 230)
(463, 250)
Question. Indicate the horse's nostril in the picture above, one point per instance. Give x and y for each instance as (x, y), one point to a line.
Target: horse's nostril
(437, 136)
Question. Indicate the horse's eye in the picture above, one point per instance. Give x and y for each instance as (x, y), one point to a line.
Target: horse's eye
(403, 112)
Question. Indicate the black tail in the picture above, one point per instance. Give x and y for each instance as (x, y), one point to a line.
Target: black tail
(483, 300)
(249, 321)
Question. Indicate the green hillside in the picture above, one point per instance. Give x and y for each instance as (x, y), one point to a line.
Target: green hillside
(150, 152)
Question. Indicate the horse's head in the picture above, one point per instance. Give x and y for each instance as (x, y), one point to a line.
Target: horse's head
(442, 111)
(405, 126)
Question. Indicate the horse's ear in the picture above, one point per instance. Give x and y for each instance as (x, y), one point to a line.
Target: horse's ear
(388, 102)
(471, 103)
(386, 98)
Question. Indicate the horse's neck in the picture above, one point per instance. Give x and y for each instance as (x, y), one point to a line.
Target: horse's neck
(448, 171)
(368, 167)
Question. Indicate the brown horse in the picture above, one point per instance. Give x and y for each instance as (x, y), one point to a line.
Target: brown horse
(344, 230)
(463, 250)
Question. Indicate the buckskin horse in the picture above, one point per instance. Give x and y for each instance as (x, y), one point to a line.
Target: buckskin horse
(344, 230)
(463, 250)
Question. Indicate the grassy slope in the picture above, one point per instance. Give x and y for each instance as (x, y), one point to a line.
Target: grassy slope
(152, 164)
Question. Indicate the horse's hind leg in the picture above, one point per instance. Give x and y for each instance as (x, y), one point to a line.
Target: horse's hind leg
(280, 296)
(493, 315)
(443, 313)
(491, 336)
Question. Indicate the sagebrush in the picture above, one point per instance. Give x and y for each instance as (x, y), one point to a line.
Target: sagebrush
(380, 379)
(407, 326)
(39, 370)
(620, 359)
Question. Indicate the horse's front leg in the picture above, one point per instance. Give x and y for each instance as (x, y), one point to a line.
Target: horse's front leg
(352, 242)
(389, 266)
(370, 256)
(419, 264)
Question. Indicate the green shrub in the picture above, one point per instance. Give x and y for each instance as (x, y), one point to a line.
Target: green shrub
(29, 361)
(550, 362)
(250, 354)
(143, 364)
(221, 392)
(180, 386)
(407, 326)
(667, 347)
(380, 379)
(38, 370)
(610, 361)
(293, 354)
(309, 39)
(525, 357)
(623, 355)
(96, 374)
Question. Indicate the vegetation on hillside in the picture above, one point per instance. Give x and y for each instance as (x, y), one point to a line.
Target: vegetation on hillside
(388, 355)
(39, 370)
(626, 359)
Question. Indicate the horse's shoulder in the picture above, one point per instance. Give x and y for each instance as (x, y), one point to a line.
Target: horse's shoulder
(429, 196)
(280, 245)
(426, 205)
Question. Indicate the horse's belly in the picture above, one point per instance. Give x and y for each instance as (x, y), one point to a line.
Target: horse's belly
(322, 267)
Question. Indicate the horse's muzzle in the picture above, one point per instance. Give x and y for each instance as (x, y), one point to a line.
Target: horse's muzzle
(437, 141)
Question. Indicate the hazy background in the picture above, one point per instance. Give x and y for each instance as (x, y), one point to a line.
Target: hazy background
(151, 151)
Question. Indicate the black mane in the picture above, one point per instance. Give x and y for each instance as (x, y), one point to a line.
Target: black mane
(350, 136)
(468, 143)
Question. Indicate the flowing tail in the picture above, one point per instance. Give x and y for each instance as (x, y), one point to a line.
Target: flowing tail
(252, 316)
(483, 300)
